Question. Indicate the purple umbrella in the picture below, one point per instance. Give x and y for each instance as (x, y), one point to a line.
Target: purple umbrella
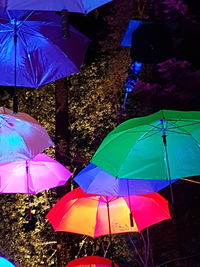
(77, 6)
(32, 176)
(95, 180)
(33, 52)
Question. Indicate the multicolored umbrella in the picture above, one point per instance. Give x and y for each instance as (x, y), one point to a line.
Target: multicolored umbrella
(91, 261)
(162, 146)
(21, 139)
(96, 215)
(77, 6)
(94, 180)
(32, 176)
(33, 52)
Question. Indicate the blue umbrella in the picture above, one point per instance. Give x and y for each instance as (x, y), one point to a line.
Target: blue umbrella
(33, 52)
(95, 180)
(5, 263)
(77, 6)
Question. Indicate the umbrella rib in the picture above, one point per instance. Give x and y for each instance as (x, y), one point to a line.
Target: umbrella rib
(25, 19)
(143, 137)
(3, 189)
(181, 126)
(9, 30)
(192, 121)
(187, 133)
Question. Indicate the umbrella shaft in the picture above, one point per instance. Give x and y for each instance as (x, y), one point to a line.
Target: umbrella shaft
(109, 225)
(15, 99)
(169, 173)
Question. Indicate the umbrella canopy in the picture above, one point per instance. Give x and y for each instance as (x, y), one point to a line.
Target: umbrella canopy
(99, 215)
(77, 6)
(91, 261)
(18, 115)
(32, 176)
(33, 52)
(162, 146)
(5, 263)
(94, 180)
(21, 139)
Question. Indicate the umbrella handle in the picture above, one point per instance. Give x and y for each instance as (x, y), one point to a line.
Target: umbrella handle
(131, 219)
(15, 103)
(171, 210)
(30, 213)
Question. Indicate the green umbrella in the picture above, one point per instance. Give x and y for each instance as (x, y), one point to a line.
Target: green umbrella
(161, 146)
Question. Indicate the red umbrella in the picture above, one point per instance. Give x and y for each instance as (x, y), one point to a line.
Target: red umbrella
(96, 215)
(90, 261)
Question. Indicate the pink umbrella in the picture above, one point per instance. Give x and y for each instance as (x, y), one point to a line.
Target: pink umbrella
(21, 137)
(32, 176)
(19, 115)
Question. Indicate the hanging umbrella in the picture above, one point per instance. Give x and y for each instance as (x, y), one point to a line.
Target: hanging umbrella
(96, 215)
(5, 263)
(94, 180)
(32, 176)
(21, 139)
(19, 115)
(33, 52)
(162, 146)
(77, 6)
(91, 261)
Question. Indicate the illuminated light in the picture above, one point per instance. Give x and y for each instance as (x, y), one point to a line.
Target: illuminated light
(131, 80)
(133, 76)
(14, 22)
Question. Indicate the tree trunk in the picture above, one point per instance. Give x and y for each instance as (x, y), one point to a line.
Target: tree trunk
(62, 140)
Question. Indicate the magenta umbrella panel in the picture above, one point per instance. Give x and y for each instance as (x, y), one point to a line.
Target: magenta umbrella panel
(33, 52)
(32, 176)
(77, 6)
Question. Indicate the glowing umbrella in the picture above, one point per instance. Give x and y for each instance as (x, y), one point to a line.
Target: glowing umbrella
(21, 139)
(94, 180)
(96, 215)
(19, 115)
(77, 6)
(32, 176)
(91, 261)
(162, 146)
(33, 52)
(5, 263)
